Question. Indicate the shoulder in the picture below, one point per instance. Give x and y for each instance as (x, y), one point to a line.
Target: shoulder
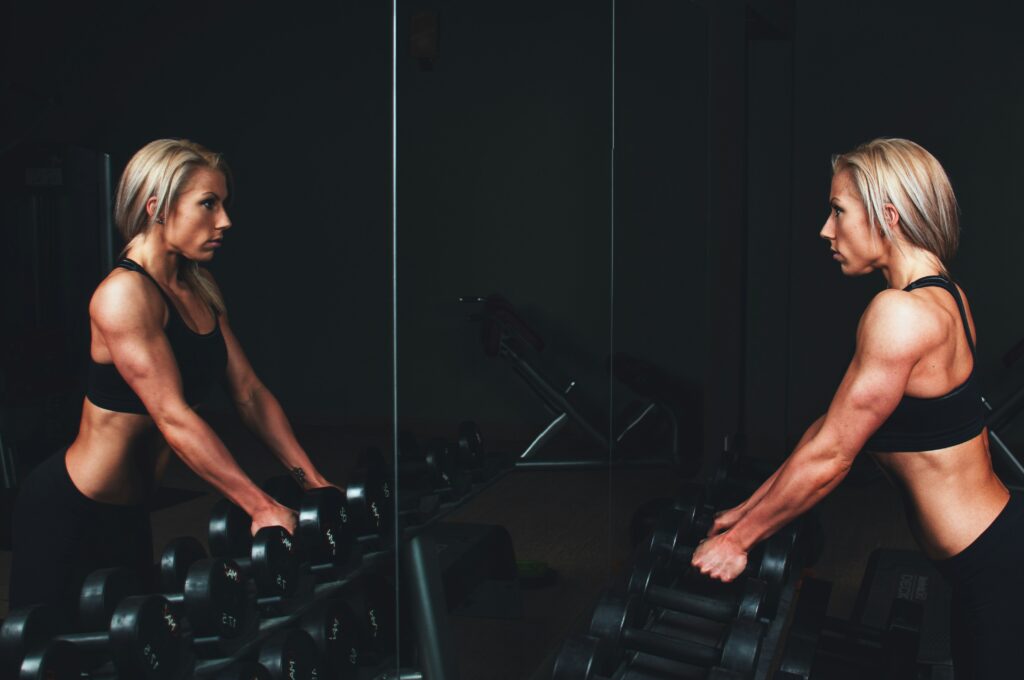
(897, 324)
(126, 299)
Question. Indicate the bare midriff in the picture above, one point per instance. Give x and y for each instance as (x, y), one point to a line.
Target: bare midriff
(951, 495)
(116, 458)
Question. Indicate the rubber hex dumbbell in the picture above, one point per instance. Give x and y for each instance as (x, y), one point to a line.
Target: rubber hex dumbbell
(584, 657)
(143, 638)
(770, 561)
(268, 558)
(290, 654)
(619, 620)
(325, 533)
(371, 499)
(211, 590)
(212, 596)
(54, 660)
(746, 600)
(471, 445)
(433, 468)
(339, 637)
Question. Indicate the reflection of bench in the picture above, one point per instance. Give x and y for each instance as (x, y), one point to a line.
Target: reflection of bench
(652, 422)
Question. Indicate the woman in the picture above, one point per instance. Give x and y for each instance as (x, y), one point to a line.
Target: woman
(910, 398)
(160, 341)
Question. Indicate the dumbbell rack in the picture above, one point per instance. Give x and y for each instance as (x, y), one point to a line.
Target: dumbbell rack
(420, 567)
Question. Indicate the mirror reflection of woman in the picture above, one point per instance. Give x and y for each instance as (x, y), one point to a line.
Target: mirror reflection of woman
(160, 341)
(910, 398)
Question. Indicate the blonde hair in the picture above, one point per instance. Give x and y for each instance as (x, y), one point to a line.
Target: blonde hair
(902, 173)
(160, 169)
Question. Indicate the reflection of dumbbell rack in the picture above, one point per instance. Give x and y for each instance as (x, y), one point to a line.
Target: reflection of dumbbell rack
(430, 545)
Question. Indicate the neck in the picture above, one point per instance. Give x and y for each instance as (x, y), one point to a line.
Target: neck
(157, 259)
(910, 264)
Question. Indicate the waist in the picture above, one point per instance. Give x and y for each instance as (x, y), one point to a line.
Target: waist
(984, 550)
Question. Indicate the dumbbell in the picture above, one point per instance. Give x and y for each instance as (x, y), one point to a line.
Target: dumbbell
(585, 657)
(619, 620)
(268, 558)
(211, 594)
(471, 445)
(746, 600)
(371, 499)
(143, 639)
(338, 635)
(54, 660)
(436, 467)
(324, 534)
(290, 654)
(769, 562)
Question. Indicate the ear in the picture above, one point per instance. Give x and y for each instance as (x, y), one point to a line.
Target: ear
(891, 217)
(151, 204)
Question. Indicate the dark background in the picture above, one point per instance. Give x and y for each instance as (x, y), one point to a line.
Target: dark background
(662, 198)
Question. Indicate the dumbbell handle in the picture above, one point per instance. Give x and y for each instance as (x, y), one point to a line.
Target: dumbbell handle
(670, 647)
(704, 606)
(86, 640)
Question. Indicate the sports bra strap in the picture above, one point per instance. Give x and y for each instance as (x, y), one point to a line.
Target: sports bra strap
(943, 282)
(134, 266)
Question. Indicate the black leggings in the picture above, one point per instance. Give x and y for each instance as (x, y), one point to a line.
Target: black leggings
(987, 579)
(61, 536)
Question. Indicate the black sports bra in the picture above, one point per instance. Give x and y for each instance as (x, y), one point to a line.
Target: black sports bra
(924, 424)
(202, 360)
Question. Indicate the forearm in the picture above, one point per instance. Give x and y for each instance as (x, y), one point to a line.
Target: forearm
(762, 490)
(800, 483)
(262, 413)
(201, 449)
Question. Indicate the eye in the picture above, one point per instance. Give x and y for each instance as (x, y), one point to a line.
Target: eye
(836, 211)
(208, 203)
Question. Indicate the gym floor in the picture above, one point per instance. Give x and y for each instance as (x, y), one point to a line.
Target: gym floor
(576, 521)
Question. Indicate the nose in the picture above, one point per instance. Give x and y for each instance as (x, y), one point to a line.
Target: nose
(224, 222)
(828, 231)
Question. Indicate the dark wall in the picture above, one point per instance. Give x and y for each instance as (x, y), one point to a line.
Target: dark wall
(299, 102)
(504, 186)
(945, 75)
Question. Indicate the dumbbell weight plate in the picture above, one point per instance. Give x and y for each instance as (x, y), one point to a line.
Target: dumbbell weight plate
(335, 630)
(274, 567)
(325, 527)
(471, 445)
(581, 658)
(215, 597)
(23, 630)
(56, 660)
(371, 498)
(145, 638)
(101, 592)
(230, 533)
(290, 654)
(177, 558)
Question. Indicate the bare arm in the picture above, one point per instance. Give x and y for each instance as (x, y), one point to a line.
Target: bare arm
(128, 315)
(726, 519)
(262, 413)
(892, 337)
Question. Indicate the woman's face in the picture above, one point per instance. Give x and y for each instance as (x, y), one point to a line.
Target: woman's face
(857, 245)
(197, 221)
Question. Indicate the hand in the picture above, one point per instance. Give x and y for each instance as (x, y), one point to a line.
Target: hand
(720, 558)
(726, 519)
(275, 515)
